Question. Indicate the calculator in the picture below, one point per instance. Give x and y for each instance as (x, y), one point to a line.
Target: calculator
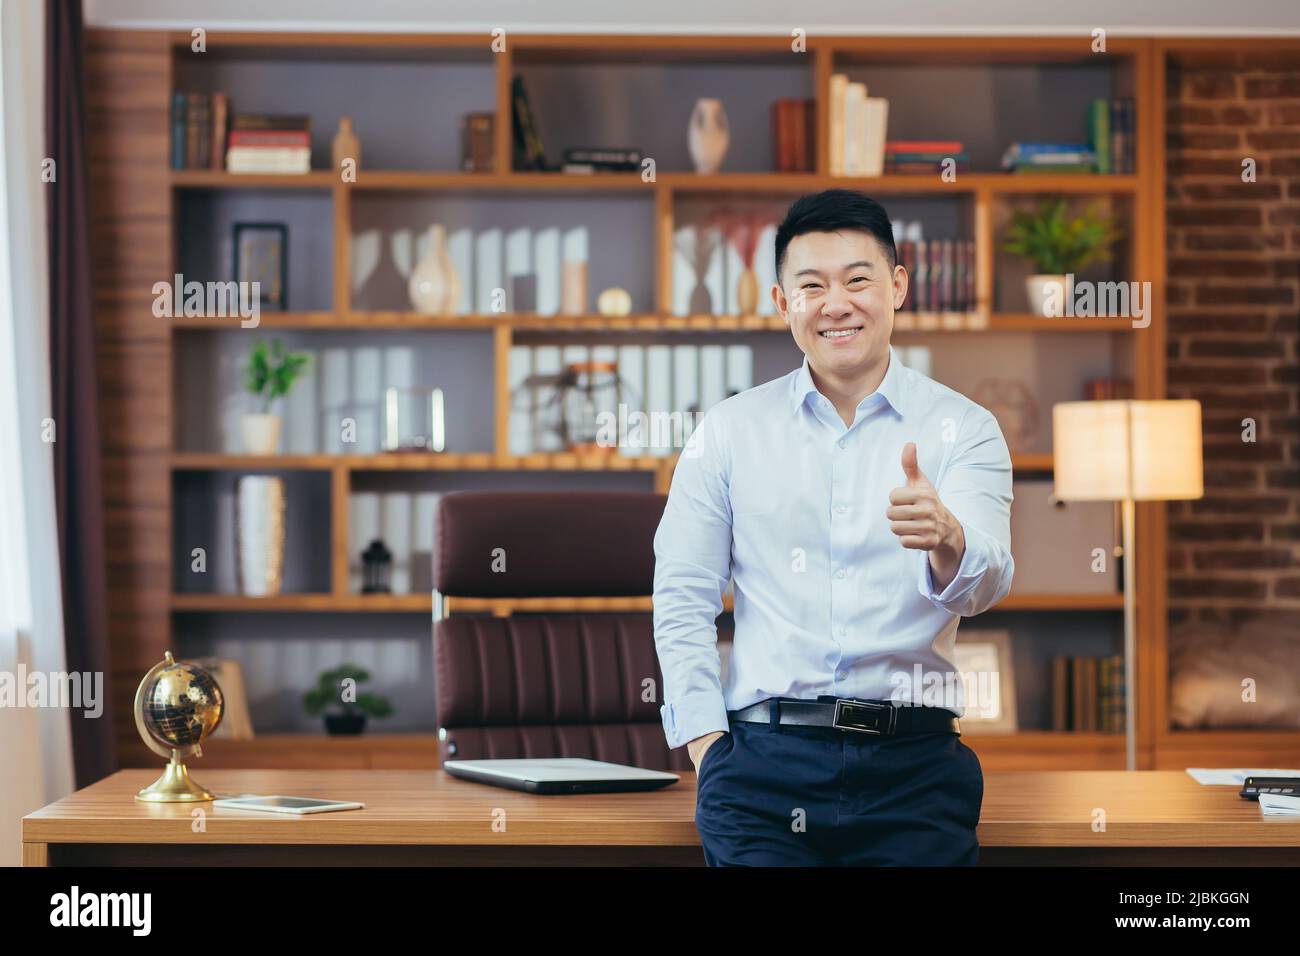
(1254, 786)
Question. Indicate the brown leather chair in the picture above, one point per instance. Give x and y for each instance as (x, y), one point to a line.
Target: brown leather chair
(542, 684)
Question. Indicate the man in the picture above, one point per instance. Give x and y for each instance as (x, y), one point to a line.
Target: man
(861, 509)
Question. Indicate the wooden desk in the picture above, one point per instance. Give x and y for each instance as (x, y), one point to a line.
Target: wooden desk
(417, 817)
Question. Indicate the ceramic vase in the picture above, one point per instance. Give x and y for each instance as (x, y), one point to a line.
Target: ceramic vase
(709, 136)
(747, 292)
(259, 535)
(346, 145)
(261, 434)
(428, 283)
(1047, 294)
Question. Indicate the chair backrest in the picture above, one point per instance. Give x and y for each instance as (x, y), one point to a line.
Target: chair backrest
(549, 685)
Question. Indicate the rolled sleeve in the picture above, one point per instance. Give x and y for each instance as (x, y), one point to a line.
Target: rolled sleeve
(976, 488)
(692, 548)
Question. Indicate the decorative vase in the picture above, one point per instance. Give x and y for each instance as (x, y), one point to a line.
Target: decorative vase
(261, 434)
(428, 285)
(259, 535)
(1048, 294)
(709, 136)
(573, 288)
(614, 302)
(747, 292)
(452, 285)
(346, 145)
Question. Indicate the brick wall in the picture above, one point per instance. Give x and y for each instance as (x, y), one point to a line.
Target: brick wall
(1234, 314)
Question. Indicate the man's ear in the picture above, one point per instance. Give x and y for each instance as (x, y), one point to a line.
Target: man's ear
(778, 300)
(900, 286)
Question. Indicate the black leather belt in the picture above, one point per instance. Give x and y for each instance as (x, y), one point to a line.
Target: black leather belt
(874, 717)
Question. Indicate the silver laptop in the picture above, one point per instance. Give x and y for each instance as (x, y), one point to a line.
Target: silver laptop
(559, 775)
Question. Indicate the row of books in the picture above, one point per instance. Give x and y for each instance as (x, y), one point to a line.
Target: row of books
(688, 379)
(1088, 693)
(941, 274)
(794, 135)
(857, 129)
(206, 136)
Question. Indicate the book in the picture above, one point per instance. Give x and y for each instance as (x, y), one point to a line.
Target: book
(875, 122)
(178, 130)
(268, 159)
(270, 121)
(608, 157)
(529, 154)
(855, 129)
(269, 137)
(476, 138)
(1099, 127)
(835, 110)
(220, 122)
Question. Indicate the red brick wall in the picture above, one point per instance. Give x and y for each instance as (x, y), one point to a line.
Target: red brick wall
(1234, 311)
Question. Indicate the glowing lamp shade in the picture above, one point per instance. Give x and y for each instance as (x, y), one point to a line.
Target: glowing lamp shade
(1110, 451)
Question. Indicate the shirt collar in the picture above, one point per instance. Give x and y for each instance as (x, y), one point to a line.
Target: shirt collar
(891, 386)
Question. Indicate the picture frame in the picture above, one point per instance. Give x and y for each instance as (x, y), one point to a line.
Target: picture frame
(987, 652)
(261, 255)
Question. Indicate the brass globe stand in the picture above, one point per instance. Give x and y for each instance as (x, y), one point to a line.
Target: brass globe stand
(175, 784)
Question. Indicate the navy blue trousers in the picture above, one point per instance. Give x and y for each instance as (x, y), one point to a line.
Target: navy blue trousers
(814, 796)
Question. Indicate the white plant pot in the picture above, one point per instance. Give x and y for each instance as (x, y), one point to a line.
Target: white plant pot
(1048, 295)
(708, 136)
(261, 434)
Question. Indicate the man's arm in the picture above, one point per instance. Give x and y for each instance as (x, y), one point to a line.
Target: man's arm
(692, 566)
(976, 489)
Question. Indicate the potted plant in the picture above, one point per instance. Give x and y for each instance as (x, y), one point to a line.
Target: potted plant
(1059, 246)
(270, 373)
(345, 709)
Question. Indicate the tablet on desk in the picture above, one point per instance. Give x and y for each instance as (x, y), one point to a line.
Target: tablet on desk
(559, 775)
(279, 804)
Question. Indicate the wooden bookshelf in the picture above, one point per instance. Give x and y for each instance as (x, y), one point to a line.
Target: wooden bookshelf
(137, 216)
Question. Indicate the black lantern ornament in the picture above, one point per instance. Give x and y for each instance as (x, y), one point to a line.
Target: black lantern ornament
(376, 569)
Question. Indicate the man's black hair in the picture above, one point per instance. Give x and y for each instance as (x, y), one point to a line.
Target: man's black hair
(833, 210)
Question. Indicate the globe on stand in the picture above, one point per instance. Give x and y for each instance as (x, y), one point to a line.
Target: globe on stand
(176, 707)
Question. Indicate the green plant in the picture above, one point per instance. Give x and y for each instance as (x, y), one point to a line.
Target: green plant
(328, 692)
(271, 371)
(1058, 243)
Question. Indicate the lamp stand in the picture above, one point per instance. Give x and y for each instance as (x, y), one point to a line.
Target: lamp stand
(1128, 512)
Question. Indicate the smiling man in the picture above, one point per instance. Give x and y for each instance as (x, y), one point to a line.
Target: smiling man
(861, 509)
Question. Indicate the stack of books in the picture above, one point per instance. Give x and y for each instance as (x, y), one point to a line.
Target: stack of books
(794, 137)
(1110, 125)
(857, 129)
(926, 156)
(528, 151)
(601, 159)
(261, 143)
(1050, 158)
(199, 130)
(1088, 693)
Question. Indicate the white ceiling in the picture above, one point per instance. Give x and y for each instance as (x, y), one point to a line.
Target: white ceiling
(866, 17)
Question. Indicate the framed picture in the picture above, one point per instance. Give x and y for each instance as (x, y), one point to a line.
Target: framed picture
(989, 679)
(261, 255)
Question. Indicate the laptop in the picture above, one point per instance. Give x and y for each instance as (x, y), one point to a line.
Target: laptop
(559, 775)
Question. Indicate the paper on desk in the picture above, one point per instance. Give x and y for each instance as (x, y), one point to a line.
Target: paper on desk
(1279, 805)
(1234, 776)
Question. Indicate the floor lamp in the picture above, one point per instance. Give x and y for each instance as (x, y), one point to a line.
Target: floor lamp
(1127, 451)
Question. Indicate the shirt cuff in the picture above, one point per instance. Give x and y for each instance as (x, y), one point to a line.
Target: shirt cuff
(974, 562)
(692, 717)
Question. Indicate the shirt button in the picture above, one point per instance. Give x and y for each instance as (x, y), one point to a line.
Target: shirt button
(841, 573)
(841, 675)
(843, 631)
(840, 443)
(840, 509)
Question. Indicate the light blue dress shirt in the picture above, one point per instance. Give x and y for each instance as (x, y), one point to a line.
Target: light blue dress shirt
(773, 491)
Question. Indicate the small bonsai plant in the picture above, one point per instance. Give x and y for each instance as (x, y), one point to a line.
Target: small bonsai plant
(345, 710)
(269, 374)
(1058, 245)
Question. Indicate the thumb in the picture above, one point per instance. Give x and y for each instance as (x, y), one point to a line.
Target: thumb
(911, 470)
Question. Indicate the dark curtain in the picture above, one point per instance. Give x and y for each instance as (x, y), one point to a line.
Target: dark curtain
(77, 483)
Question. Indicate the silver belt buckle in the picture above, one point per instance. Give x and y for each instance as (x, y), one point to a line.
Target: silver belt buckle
(845, 711)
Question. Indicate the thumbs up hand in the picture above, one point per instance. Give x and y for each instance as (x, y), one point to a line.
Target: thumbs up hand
(922, 522)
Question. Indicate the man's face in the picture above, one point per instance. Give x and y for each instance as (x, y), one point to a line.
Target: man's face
(840, 281)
